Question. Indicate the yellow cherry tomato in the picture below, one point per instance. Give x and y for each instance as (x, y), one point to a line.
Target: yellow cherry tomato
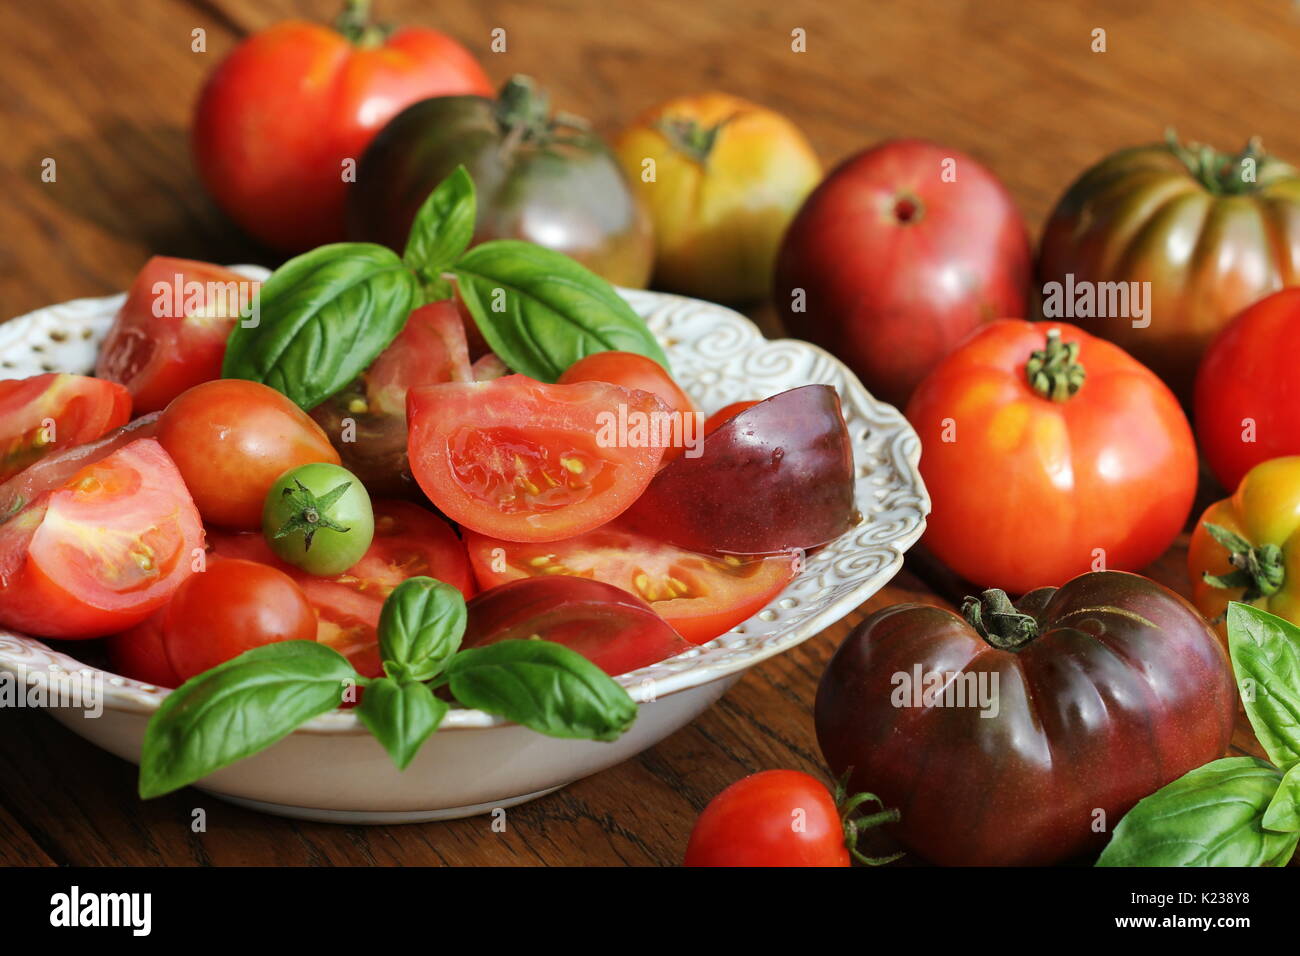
(722, 178)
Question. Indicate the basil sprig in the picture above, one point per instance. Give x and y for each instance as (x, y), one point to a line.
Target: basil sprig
(256, 699)
(1237, 811)
(441, 231)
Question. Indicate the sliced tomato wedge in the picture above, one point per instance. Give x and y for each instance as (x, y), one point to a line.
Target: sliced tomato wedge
(409, 541)
(103, 551)
(171, 332)
(517, 459)
(700, 595)
(47, 412)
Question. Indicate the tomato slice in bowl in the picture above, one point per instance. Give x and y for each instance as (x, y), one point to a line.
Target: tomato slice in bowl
(57, 410)
(103, 551)
(171, 332)
(700, 595)
(525, 461)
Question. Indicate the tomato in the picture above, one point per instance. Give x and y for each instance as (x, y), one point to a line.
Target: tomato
(102, 551)
(776, 477)
(1183, 220)
(1020, 735)
(614, 630)
(408, 541)
(631, 371)
(318, 517)
(536, 178)
(284, 118)
(899, 253)
(1246, 547)
(517, 459)
(367, 422)
(487, 367)
(231, 607)
(139, 653)
(700, 595)
(171, 331)
(43, 412)
(1048, 452)
(728, 176)
(231, 440)
(726, 414)
(1247, 397)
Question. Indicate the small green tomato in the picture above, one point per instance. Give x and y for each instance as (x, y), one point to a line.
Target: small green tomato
(318, 517)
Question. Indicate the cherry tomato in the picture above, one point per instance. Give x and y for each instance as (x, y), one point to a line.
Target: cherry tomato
(700, 595)
(231, 607)
(139, 653)
(631, 371)
(1048, 453)
(288, 109)
(231, 440)
(101, 552)
(171, 331)
(46, 412)
(525, 461)
(610, 627)
(318, 517)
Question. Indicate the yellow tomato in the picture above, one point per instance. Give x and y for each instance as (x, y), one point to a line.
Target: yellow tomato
(722, 178)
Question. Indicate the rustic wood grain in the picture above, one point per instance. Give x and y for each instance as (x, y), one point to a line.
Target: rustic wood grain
(105, 88)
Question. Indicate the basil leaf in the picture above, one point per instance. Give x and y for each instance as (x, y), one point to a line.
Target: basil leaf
(238, 708)
(540, 311)
(420, 628)
(544, 686)
(401, 716)
(1212, 816)
(441, 231)
(1265, 653)
(1283, 813)
(324, 316)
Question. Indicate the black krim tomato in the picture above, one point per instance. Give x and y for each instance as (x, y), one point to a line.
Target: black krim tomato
(777, 476)
(1021, 734)
(548, 180)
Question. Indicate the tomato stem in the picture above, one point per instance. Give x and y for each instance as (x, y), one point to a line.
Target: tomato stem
(996, 619)
(1259, 570)
(355, 25)
(1223, 174)
(853, 829)
(689, 137)
(1055, 371)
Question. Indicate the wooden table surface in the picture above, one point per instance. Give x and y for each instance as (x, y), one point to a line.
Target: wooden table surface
(105, 88)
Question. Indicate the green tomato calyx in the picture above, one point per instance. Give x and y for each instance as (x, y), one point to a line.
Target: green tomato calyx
(997, 620)
(309, 513)
(855, 827)
(1054, 371)
(1222, 174)
(689, 137)
(1260, 570)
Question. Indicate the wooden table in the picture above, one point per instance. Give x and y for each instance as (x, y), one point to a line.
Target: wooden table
(105, 88)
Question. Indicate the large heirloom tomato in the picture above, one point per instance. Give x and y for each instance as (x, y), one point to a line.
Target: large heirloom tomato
(290, 106)
(536, 178)
(1021, 734)
(1210, 232)
(1047, 453)
(729, 176)
(895, 257)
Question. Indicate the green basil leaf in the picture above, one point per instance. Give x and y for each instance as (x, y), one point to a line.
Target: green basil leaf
(1212, 816)
(401, 716)
(1283, 813)
(1265, 653)
(441, 231)
(323, 317)
(420, 628)
(238, 708)
(544, 686)
(540, 311)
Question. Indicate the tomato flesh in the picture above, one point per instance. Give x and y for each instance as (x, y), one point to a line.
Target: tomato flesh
(47, 412)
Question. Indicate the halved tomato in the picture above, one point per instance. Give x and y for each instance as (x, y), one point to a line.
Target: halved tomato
(171, 332)
(56, 410)
(518, 459)
(102, 552)
(409, 541)
(700, 595)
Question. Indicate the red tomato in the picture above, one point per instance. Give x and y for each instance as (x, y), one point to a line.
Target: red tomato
(232, 607)
(232, 439)
(1030, 489)
(103, 551)
(1247, 394)
(700, 595)
(45, 412)
(408, 541)
(284, 112)
(773, 818)
(139, 653)
(726, 414)
(170, 333)
(521, 460)
(897, 261)
(631, 371)
(610, 627)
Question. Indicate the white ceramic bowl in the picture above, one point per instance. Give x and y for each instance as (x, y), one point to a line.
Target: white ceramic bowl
(331, 769)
